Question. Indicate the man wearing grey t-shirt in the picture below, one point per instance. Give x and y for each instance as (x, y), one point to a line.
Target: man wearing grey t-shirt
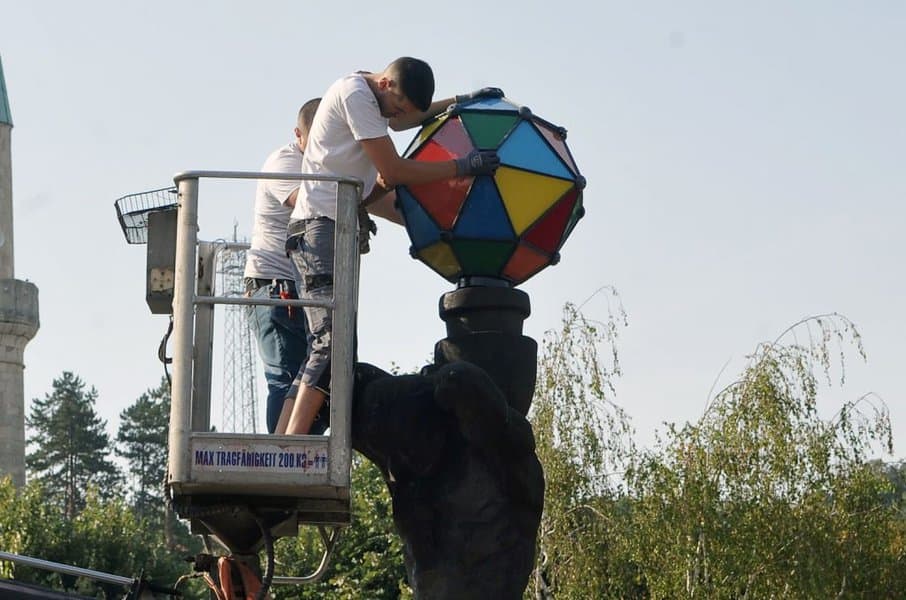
(281, 331)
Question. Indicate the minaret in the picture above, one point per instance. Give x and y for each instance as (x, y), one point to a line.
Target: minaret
(18, 316)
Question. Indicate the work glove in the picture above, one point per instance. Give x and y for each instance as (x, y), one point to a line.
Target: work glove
(367, 228)
(485, 92)
(478, 162)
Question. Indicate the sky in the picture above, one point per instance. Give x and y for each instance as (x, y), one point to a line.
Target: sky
(745, 167)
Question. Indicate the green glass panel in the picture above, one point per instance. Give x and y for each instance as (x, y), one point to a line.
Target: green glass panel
(487, 130)
(482, 257)
(5, 116)
(578, 213)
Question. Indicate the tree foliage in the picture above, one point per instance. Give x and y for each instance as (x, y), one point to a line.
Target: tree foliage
(760, 498)
(105, 536)
(142, 442)
(583, 439)
(70, 445)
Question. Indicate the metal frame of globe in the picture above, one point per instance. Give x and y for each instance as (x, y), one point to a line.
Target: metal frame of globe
(503, 228)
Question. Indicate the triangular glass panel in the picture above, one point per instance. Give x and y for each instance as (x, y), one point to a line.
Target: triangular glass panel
(483, 258)
(433, 152)
(442, 199)
(483, 215)
(547, 232)
(559, 146)
(440, 257)
(524, 263)
(422, 230)
(525, 148)
(453, 138)
(488, 130)
(578, 213)
(424, 133)
(527, 196)
(490, 104)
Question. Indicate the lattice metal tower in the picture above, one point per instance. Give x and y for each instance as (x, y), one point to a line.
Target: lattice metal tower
(240, 395)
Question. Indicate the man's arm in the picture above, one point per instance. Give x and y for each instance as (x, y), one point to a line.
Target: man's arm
(408, 121)
(384, 207)
(401, 171)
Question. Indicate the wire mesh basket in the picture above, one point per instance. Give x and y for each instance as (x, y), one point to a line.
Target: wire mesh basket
(132, 211)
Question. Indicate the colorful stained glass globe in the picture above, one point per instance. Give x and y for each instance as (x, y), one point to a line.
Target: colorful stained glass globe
(506, 227)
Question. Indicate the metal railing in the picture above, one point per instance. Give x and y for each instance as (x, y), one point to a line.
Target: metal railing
(186, 300)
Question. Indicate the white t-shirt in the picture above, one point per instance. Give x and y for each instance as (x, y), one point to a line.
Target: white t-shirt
(266, 259)
(348, 112)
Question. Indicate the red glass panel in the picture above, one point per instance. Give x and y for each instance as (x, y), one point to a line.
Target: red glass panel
(441, 199)
(548, 231)
(433, 152)
(524, 263)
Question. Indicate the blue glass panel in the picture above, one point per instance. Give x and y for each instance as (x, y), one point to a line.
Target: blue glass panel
(526, 149)
(483, 216)
(490, 104)
(422, 230)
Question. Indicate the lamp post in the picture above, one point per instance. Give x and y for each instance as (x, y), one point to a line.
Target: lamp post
(454, 443)
(488, 234)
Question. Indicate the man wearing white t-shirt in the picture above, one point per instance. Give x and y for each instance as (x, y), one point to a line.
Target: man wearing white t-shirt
(349, 138)
(269, 273)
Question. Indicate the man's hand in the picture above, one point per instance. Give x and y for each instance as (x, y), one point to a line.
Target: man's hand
(483, 162)
(485, 92)
(367, 228)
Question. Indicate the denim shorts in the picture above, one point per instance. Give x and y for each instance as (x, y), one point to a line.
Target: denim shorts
(312, 250)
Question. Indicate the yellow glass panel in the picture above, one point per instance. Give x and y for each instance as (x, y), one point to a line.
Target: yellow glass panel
(528, 195)
(441, 258)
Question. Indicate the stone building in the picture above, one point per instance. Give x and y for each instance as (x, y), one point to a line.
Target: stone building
(18, 316)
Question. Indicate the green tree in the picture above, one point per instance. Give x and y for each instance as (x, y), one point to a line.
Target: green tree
(105, 536)
(583, 440)
(142, 442)
(762, 498)
(70, 445)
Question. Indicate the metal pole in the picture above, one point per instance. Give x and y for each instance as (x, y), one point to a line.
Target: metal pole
(204, 340)
(242, 301)
(346, 261)
(183, 324)
(66, 569)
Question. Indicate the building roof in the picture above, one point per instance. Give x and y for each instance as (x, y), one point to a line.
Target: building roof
(5, 115)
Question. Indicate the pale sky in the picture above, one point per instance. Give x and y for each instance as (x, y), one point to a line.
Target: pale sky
(745, 166)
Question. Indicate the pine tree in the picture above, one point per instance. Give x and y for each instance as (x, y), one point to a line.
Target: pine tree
(142, 441)
(71, 449)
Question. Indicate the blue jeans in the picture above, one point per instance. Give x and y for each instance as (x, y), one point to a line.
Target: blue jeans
(282, 344)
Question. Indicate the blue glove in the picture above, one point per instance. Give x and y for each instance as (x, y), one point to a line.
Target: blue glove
(485, 92)
(483, 162)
